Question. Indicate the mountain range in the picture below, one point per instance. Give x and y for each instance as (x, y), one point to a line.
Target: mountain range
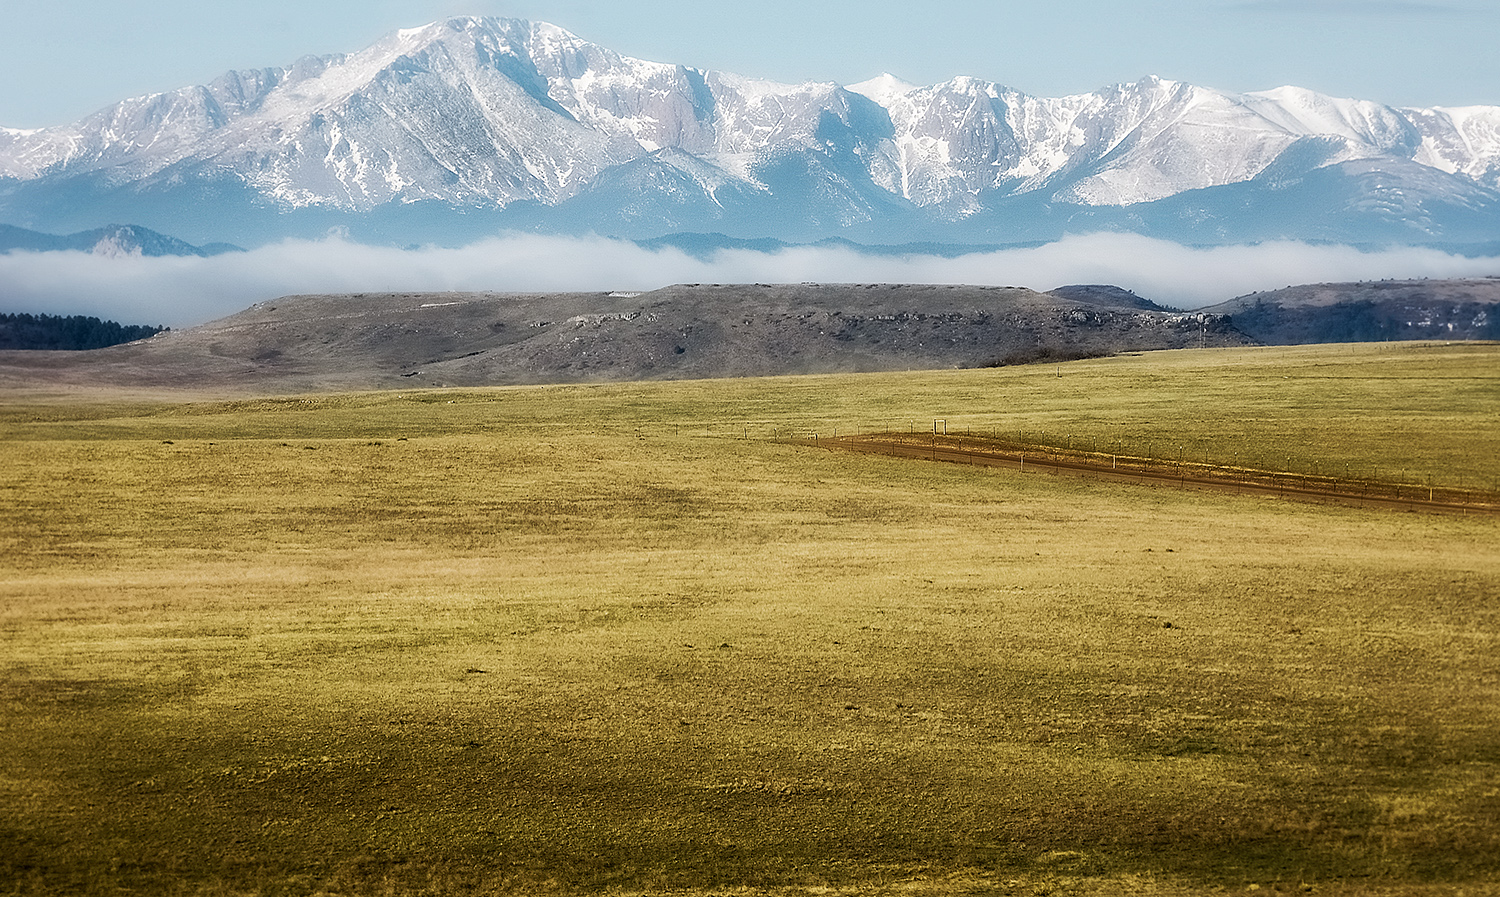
(468, 126)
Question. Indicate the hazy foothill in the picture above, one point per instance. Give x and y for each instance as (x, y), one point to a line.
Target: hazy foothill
(113, 240)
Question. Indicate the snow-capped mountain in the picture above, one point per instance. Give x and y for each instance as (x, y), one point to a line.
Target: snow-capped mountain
(472, 124)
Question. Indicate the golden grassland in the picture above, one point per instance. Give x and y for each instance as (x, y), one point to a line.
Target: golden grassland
(617, 639)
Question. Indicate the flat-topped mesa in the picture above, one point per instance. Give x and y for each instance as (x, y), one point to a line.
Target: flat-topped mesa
(303, 343)
(372, 341)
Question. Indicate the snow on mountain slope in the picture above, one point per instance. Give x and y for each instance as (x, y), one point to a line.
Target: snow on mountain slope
(1123, 145)
(1460, 141)
(1133, 143)
(481, 113)
(1303, 112)
(1176, 137)
(884, 89)
(654, 104)
(455, 111)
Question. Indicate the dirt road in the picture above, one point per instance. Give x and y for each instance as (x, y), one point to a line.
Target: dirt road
(1166, 474)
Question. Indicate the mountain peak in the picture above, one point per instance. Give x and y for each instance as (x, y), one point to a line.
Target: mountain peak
(475, 116)
(883, 88)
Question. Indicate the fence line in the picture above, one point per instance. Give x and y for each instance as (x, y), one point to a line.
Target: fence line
(1067, 452)
(1195, 458)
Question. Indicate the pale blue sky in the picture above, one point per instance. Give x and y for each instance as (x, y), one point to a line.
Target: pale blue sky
(61, 59)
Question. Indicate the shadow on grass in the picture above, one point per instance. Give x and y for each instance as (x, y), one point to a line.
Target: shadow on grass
(473, 804)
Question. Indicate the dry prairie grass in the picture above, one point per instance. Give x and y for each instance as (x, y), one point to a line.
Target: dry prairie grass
(583, 640)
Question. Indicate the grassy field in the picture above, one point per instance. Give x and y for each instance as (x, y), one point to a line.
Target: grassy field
(617, 639)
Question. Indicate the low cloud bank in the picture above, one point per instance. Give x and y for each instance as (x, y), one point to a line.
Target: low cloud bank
(180, 292)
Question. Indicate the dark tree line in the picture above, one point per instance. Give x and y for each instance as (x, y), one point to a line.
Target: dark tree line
(27, 331)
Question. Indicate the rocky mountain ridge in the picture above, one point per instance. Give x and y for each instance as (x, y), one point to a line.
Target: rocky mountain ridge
(471, 124)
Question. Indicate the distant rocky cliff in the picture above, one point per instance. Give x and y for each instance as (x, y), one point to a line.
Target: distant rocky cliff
(1373, 311)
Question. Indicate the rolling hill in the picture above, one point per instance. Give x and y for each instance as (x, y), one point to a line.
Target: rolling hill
(369, 341)
(705, 331)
